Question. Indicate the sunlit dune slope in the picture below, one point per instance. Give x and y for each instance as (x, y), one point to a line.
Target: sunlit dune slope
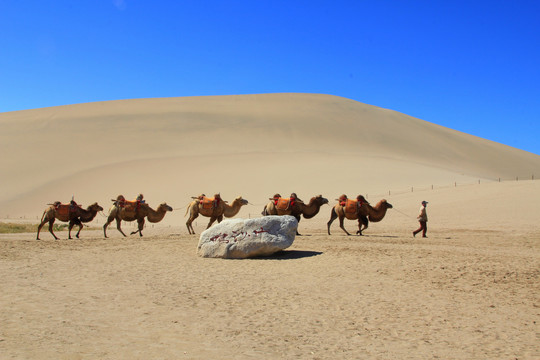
(250, 145)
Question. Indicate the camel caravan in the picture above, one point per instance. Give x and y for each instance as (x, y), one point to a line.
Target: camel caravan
(214, 208)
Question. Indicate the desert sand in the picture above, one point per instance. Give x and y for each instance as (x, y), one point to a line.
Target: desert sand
(468, 291)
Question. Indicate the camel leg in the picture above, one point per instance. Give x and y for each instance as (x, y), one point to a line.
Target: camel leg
(118, 223)
(78, 232)
(362, 220)
(359, 232)
(189, 223)
(341, 218)
(333, 216)
(140, 223)
(105, 229)
(43, 222)
(72, 223)
(109, 220)
(298, 219)
(212, 219)
(70, 226)
(80, 224)
(51, 222)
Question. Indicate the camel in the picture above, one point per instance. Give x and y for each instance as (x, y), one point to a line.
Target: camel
(365, 213)
(119, 213)
(214, 213)
(75, 216)
(308, 210)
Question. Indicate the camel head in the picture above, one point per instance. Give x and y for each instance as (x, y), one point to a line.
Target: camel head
(165, 207)
(241, 200)
(386, 204)
(319, 200)
(95, 207)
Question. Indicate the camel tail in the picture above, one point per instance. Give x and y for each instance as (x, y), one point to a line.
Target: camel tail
(187, 209)
(43, 216)
(333, 214)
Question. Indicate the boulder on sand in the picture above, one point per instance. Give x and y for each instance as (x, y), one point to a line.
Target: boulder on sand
(244, 238)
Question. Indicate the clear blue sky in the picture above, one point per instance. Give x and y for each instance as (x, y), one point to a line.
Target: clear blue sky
(473, 66)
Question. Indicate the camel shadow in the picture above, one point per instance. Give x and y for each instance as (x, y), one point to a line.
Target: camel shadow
(289, 255)
(381, 236)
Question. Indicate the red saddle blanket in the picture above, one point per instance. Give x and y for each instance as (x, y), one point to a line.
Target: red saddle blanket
(65, 209)
(129, 205)
(283, 203)
(351, 206)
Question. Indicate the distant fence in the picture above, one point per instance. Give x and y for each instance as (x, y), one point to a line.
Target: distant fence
(420, 189)
(435, 187)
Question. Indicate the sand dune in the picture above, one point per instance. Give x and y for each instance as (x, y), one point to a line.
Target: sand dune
(253, 145)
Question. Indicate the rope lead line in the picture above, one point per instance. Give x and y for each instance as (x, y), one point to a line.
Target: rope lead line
(402, 213)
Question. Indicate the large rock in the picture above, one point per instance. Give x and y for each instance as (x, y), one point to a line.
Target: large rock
(243, 238)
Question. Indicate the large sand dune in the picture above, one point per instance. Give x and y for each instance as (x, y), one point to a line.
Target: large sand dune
(253, 145)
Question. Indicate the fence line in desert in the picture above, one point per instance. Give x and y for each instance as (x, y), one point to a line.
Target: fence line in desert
(433, 187)
(427, 188)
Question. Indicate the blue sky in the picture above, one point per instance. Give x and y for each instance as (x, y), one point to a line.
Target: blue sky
(473, 66)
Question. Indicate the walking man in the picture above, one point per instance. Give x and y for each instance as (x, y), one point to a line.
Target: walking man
(422, 218)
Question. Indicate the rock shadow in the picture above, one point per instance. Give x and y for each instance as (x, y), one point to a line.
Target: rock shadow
(289, 255)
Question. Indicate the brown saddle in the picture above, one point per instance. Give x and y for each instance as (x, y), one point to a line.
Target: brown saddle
(283, 203)
(209, 203)
(130, 205)
(64, 209)
(351, 206)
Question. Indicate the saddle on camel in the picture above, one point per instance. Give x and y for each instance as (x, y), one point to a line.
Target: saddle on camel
(284, 203)
(351, 206)
(65, 210)
(129, 206)
(210, 203)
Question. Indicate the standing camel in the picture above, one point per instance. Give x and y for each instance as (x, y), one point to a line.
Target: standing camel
(119, 213)
(299, 208)
(215, 212)
(73, 214)
(364, 214)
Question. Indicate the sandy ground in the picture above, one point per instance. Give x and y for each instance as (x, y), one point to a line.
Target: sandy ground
(466, 292)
